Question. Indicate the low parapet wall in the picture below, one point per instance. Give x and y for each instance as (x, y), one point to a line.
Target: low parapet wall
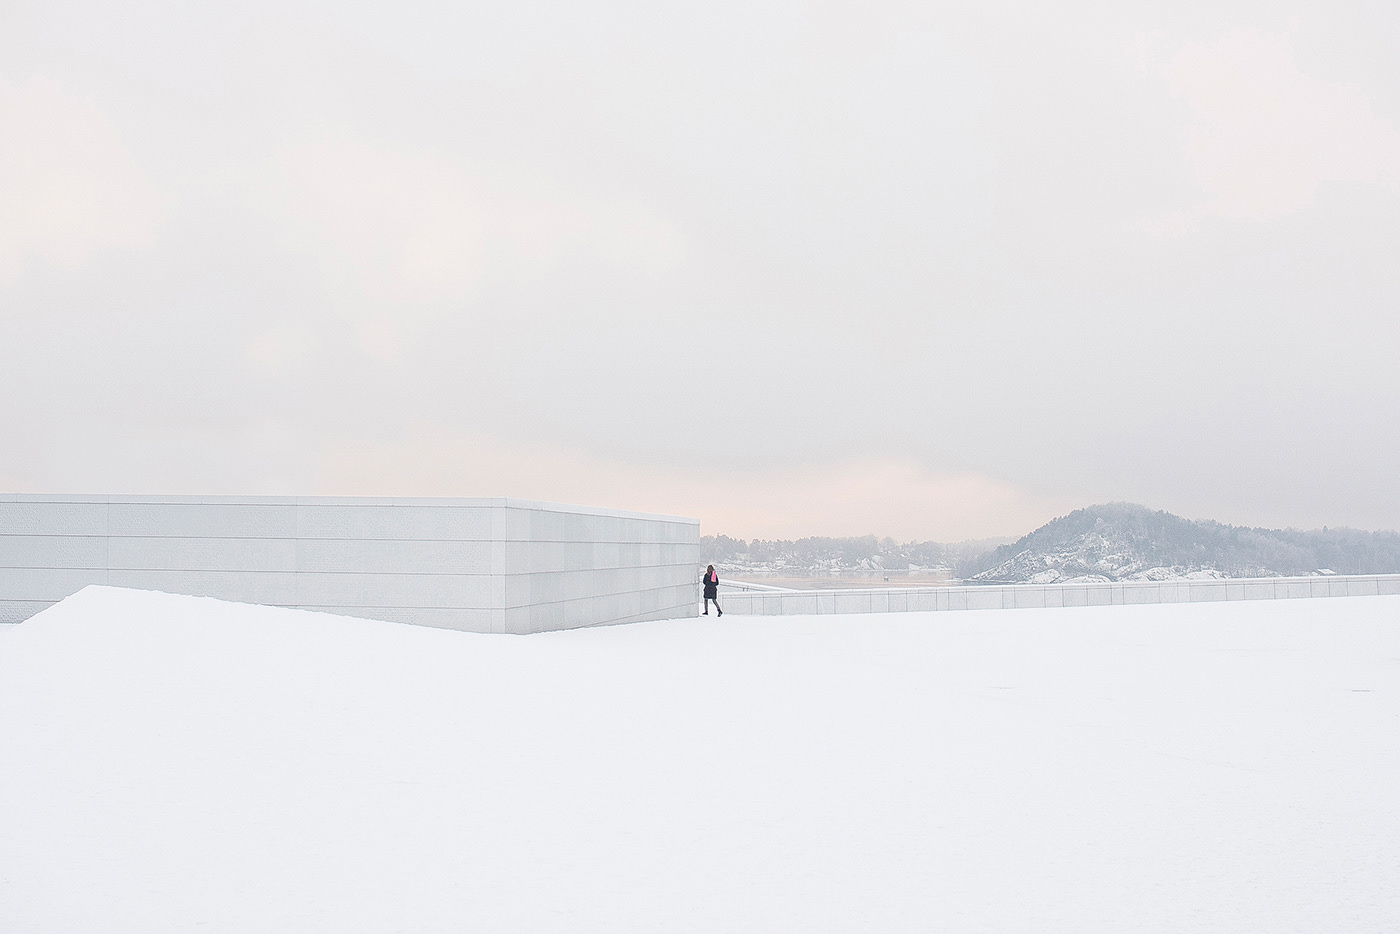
(483, 565)
(1015, 596)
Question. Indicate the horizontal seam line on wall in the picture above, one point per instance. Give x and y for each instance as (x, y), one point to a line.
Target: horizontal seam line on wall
(339, 538)
(317, 570)
(536, 603)
(179, 570)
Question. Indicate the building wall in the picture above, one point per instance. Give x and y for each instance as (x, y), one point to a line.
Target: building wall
(1012, 596)
(482, 565)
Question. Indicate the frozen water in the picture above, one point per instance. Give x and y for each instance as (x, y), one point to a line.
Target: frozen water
(180, 764)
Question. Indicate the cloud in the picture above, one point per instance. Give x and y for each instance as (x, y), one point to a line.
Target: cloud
(68, 187)
(390, 226)
(1262, 135)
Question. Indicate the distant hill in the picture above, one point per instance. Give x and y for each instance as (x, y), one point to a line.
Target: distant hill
(1123, 541)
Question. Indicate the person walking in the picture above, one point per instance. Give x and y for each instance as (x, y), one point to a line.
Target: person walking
(712, 591)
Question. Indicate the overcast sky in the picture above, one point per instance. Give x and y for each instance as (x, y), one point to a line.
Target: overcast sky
(933, 272)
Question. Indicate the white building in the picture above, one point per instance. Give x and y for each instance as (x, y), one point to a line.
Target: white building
(483, 565)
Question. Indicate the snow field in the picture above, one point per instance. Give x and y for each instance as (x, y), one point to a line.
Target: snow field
(178, 764)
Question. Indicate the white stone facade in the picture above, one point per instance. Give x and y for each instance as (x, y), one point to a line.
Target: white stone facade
(481, 565)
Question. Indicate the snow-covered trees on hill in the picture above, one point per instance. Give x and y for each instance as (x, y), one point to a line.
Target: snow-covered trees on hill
(1124, 541)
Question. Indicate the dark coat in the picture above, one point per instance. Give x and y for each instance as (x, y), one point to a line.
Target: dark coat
(712, 585)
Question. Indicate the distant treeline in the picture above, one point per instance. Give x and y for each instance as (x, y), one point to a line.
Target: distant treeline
(1114, 541)
(839, 554)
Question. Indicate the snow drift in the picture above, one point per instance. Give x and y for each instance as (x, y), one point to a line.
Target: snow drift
(178, 764)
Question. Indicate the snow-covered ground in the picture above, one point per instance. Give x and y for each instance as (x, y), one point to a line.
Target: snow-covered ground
(179, 764)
